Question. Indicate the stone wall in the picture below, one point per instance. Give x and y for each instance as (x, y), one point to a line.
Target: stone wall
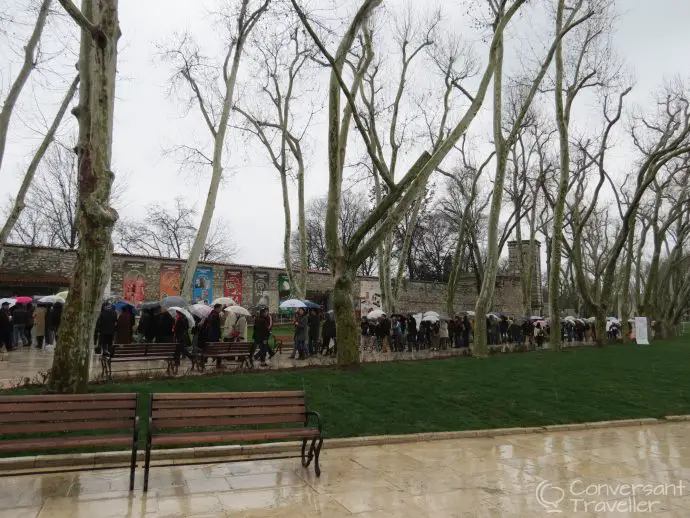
(49, 270)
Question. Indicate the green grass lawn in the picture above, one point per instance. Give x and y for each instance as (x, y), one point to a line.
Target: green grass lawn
(532, 389)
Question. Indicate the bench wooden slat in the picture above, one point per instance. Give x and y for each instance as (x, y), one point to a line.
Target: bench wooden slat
(227, 403)
(229, 421)
(228, 395)
(65, 406)
(67, 397)
(239, 436)
(88, 415)
(242, 411)
(69, 426)
(49, 443)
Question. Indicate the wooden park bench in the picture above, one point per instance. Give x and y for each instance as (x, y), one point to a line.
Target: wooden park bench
(238, 352)
(137, 353)
(67, 422)
(233, 418)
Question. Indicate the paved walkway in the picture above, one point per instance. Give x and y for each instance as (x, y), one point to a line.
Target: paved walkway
(512, 476)
(26, 362)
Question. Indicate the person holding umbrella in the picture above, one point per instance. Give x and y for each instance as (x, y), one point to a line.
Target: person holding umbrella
(105, 326)
(261, 332)
(125, 325)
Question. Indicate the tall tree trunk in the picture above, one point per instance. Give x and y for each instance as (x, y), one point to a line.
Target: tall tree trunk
(625, 285)
(407, 245)
(287, 239)
(218, 145)
(302, 229)
(480, 348)
(559, 208)
(348, 330)
(19, 201)
(27, 66)
(97, 71)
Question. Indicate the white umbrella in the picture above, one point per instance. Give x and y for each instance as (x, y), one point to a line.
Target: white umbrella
(613, 319)
(292, 303)
(11, 302)
(62, 294)
(223, 301)
(375, 313)
(238, 310)
(51, 299)
(430, 317)
(435, 313)
(569, 318)
(184, 312)
(200, 310)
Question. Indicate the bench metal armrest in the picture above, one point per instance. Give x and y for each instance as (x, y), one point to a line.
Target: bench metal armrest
(318, 419)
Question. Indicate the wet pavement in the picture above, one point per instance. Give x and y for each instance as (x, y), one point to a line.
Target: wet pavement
(616, 472)
(18, 365)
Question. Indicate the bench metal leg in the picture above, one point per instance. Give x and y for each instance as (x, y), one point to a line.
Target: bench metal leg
(306, 458)
(317, 468)
(133, 466)
(147, 464)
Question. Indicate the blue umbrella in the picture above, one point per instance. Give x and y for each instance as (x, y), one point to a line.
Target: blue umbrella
(120, 306)
(311, 305)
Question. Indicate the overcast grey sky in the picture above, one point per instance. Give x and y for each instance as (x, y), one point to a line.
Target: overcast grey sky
(651, 38)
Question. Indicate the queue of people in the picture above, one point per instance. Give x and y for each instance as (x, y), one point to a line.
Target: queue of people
(315, 333)
(400, 332)
(26, 325)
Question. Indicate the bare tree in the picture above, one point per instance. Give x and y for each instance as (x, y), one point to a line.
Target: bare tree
(211, 89)
(583, 65)
(283, 60)
(168, 232)
(503, 143)
(30, 57)
(354, 212)
(20, 200)
(661, 138)
(100, 31)
(401, 194)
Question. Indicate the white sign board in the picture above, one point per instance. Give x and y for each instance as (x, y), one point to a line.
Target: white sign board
(641, 335)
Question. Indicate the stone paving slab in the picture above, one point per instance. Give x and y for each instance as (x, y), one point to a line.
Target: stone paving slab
(582, 473)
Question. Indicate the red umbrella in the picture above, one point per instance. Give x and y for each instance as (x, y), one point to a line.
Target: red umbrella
(24, 300)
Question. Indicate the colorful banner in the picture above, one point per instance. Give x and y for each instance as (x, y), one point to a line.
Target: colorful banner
(260, 289)
(202, 287)
(233, 285)
(370, 296)
(134, 282)
(170, 280)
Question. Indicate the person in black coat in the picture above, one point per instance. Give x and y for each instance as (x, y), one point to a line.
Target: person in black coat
(5, 327)
(164, 329)
(328, 334)
(55, 320)
(314, 321)
(411, 332)
(466, 330)
(213, 327)
(181, 335)
(105, 327)
(261, 332)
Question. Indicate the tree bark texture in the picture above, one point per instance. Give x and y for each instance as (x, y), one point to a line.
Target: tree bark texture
(97, 71)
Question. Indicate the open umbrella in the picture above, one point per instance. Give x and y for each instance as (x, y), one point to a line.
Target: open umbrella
(430, 317)
(200, 310)
(120, 306)
(150, 305)
(23, 300)
(51, 299)
(238, 310)
(11, 302)
(311, 305)
(62, 294)
(184, 312)
(223, 301)
(292, 303)
(174, 301)
(375, 313)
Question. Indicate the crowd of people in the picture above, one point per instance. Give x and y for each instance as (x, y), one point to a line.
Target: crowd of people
(26, 325)
(400, 332)
(314, 333)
